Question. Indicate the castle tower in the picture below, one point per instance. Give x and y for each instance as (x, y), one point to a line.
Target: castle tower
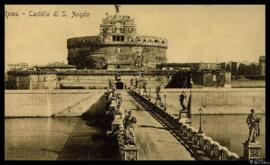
(117, 46)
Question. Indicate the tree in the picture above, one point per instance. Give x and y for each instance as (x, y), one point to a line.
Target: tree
(241, 69)
(228, 68)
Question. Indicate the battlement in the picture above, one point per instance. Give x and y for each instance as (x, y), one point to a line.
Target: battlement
(112, 19)
(79, 42)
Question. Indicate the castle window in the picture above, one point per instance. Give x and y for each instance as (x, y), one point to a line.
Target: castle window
(156, 41)
(163, 42)
(144, 40)
(118, 66)
(118, 38)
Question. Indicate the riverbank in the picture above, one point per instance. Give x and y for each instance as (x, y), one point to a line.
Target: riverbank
(217, 100)
(48, 103)
(246, 83)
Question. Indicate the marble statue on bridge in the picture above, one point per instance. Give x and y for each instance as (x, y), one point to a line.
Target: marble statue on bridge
(183, 101)
(128, 123)
(253, 122)
(158, 98)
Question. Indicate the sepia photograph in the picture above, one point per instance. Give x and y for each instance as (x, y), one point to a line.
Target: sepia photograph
(135, 82)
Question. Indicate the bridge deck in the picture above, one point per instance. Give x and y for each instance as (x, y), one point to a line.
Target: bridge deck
(154, 141)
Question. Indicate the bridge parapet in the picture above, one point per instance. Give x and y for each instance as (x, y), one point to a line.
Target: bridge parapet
(199, 145)
(127, 151)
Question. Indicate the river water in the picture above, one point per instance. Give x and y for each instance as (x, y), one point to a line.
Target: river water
(229, 130)
(69, 138)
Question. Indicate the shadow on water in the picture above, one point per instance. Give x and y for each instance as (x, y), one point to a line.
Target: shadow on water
(95, 115)
(87, 140)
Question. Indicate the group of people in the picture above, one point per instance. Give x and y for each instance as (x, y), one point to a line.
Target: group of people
(114, 119)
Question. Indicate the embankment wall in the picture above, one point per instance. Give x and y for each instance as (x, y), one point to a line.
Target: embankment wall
(46, 103)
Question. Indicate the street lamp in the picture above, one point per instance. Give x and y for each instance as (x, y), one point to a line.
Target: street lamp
(164, 101)
(200, 128)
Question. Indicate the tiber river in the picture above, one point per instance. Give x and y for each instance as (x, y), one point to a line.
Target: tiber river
(72, 138)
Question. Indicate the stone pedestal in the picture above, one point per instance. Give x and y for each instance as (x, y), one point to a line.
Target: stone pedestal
(115, 125)
(184, 117)
(130, 152)
(117, 121)
(252, 151)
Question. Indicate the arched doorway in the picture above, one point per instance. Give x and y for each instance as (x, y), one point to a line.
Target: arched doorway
(119, 85)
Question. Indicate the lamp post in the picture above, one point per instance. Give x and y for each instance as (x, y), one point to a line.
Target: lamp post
(164, 101)
(200, 128)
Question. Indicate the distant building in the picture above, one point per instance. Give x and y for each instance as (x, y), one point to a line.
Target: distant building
(223, 66)
(174, 66)
(190, 66)
(234, 68)
(17, 66)
(206, 66)
(203, 74)
(262, 65)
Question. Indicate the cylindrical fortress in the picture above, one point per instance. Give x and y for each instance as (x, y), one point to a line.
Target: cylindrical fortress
(117, 47)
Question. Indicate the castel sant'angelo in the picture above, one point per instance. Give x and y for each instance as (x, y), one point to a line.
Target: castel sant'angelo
(117, 46)
(117, 54)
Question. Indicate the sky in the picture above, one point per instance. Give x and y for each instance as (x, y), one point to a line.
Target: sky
(206, 33)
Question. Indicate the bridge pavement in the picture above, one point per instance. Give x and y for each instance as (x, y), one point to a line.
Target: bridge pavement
(153, 140)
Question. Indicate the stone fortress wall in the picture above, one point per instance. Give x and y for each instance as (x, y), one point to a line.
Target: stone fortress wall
(81, 79)
(117, 43)
(98, 79)
(89, 53)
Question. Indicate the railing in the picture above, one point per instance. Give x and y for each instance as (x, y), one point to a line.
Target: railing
(199, 145)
